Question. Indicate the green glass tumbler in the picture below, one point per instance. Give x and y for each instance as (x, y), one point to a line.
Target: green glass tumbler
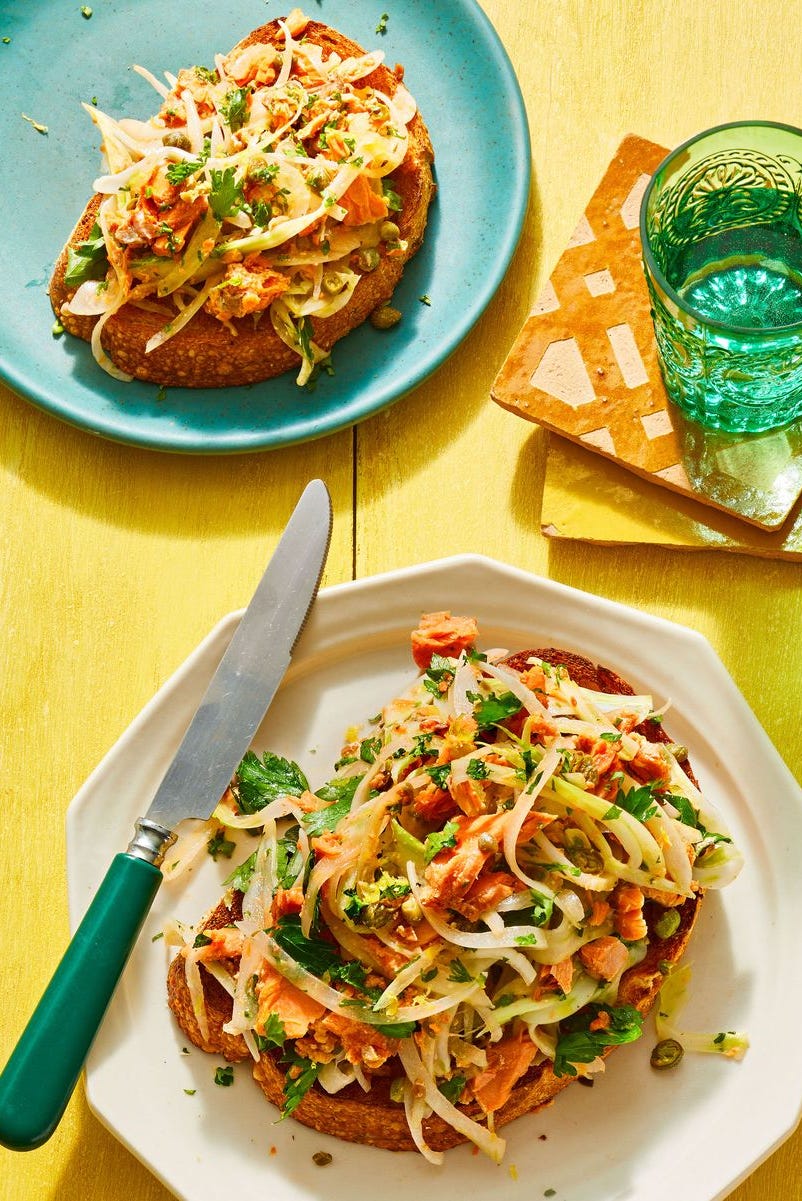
(721, 231)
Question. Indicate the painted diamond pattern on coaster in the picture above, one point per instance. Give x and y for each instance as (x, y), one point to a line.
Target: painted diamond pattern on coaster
(585, 366)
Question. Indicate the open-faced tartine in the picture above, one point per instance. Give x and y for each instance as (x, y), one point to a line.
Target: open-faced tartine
(264, 212)
(483, 900)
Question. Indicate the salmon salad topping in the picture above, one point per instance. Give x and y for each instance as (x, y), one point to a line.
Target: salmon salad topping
(261, 189)
(457, 906)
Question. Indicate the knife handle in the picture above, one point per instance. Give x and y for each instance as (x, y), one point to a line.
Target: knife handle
(39, 1078)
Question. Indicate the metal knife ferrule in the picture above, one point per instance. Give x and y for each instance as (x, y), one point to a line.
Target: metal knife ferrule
(150, 841)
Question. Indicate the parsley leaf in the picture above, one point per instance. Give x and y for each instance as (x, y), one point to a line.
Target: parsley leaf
(440, 773)
(241, 877)
(436, 842)
(459, 973)
(369, 748)
(396, 1029)
(234, 108)
(289, 860)
(489, 710)
(218, 844)
(301, 1076)
(260, 781)
(274, 1036)
(225, 196)
(580, 1044)
(313, 954)
(477, 769)
(638, 801)
(224, 1076)
(338, 793)
(87, 260)
(439, 675)
(542, 908)
(452, 1089)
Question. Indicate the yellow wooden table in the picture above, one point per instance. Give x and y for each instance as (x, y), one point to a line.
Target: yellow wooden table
(116, 561)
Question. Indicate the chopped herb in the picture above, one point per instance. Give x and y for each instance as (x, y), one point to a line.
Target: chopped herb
(382, 25)
(289, 859)
(490, 710)
(610, 737)
(241, 877)
(234, 108)
(161, 395)
(639, 802)
(274, 1033)
(205, 74)
(190, 1091)
(440, 773)
(260, 781)
(439, 840)
(314, 954)
(477, 769)
(6, 41)
(224, 1076)
(550, 1192)
(218, 844)
(87, 260)
(332, 814)
(452, 1089)
(428, 975)
(301, 1075)
(86, 12)
(185, 1050)
(396, 1029)
(579, 1044)
(178, 172)
(526, 940)
(719, 1038)
(225, 195)
(459, 973)
(391, 197)
(425, 299)
(201, 940)
(542, 908)
(612, 814)
(369, 748)
(156, 937)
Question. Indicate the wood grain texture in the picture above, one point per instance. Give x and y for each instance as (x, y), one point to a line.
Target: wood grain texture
(114, 562)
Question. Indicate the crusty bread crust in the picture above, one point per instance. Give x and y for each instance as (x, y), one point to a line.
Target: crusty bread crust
(373, 1118)
(209, 354)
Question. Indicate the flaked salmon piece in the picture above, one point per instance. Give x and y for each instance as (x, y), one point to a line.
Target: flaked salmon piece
(507, 1062)
(287, 900)
(459, 739)
(486, 893)
(275, 995)
(362, 203)
(363, 1044)
(442, 634)
(226, 943)
(248, 287)
(648, 764)
(563, 973)
(627, 901)
(433, 804)
(452, 872)
(327, 845)
(604, 958)
(599, 912)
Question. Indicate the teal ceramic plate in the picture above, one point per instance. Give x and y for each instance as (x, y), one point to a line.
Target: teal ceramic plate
(55, 57)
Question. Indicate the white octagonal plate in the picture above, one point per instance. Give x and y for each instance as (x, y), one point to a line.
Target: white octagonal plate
(691, 1133)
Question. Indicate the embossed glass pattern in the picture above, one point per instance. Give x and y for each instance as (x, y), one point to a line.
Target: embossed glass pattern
(721, 231)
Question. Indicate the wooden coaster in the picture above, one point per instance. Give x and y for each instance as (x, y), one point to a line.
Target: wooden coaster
(585, 366)
(590, 499)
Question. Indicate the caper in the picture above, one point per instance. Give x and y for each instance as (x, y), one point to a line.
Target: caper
(322, 1158)
(384, 317)
(331, 282)
(486, 842)
(667, 923)
(256, 165)
(177, 139)
(666, 1054)
(376, 915)
(679, 752)
(368, 258)
(389, 231)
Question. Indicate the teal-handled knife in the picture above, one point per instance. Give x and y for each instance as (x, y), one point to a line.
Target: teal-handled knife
(40, 1076)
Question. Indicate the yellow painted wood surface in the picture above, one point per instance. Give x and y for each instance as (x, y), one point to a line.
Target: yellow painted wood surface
(114, 562)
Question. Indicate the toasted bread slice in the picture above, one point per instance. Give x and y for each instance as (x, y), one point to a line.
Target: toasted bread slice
(210, 353)
(373, 1118)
